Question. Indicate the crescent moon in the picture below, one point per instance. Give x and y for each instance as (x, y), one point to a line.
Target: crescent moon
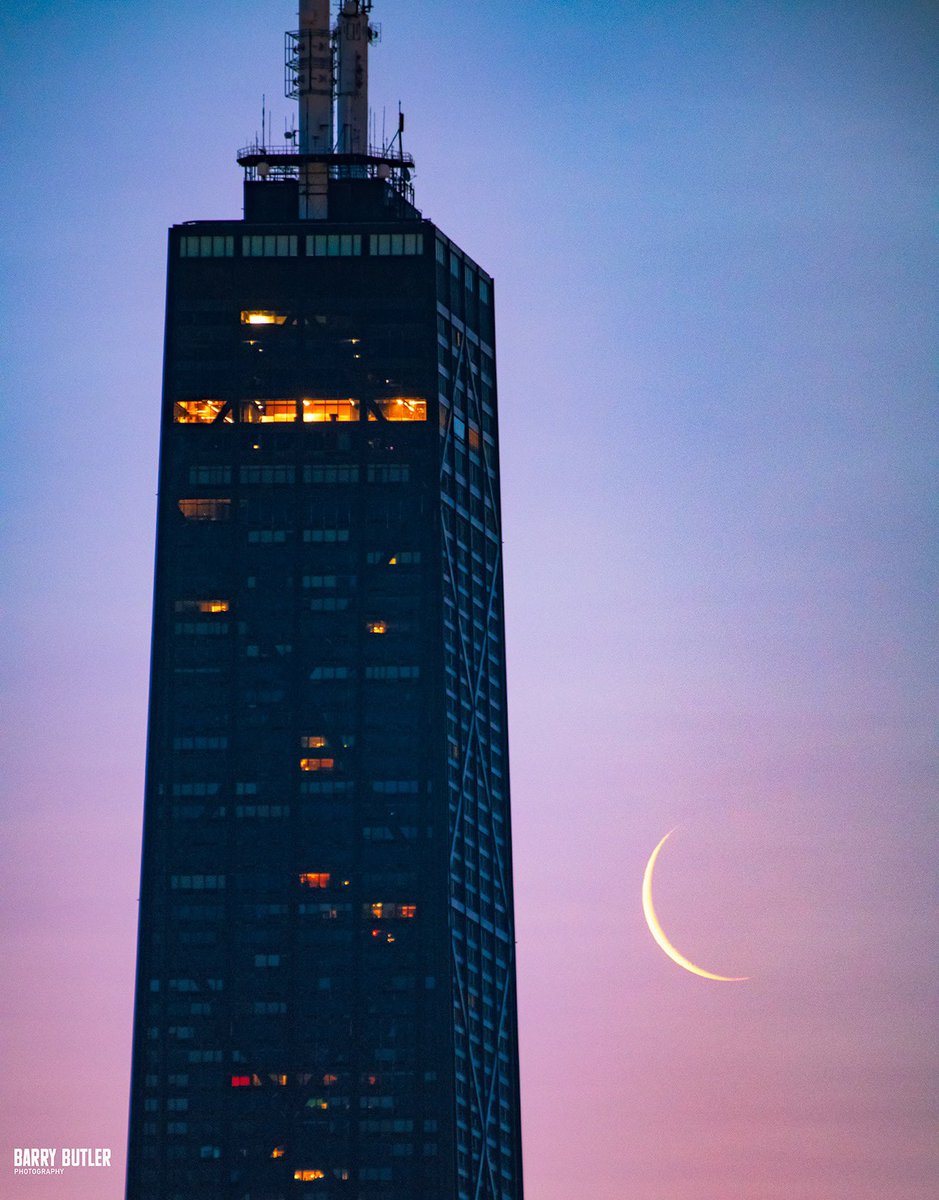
(659, 933)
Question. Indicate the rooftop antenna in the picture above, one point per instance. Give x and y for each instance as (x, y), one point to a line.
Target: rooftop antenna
(315, 93)
(326, 70)
(353, 35)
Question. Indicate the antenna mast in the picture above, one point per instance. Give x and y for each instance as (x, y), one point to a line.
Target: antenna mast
(326, 71)
(315, 88)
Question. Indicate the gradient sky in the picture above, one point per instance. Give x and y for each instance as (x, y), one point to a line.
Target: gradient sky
(716, 284)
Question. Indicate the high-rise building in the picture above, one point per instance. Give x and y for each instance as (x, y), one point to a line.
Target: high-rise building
(325, 1001)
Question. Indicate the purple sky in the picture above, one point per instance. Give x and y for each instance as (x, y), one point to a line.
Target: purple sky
(709, 226)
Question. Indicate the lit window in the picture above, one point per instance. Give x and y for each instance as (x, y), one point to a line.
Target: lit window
(329, 1080)
(315, 879)
(278, 1152)
(199, 412)
(267, 412)
(403, 408)
(317, 764)
(320, 408)
(308, 1175)
(377, 627)
(313, 742)
(205, 510)
(202, 606)
(262, 316)
(241, 1080)
(279, 1080)
(383, 911)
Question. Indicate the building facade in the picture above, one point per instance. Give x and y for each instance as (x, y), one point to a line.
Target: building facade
(325, 998)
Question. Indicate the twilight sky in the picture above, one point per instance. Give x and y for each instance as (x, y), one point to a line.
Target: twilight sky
(709, 224)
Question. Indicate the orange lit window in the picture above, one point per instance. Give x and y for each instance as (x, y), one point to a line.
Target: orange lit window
(329, 1080)
(382, 910)
(313, 742)
(205, 510)
(202, 606)
(267, 412)
(318, 408)
(262, 316)
(199, 412)
(280, 1080)
(403, 408)
(474, 439)
(377, 627)
(278, 1152)
(315, 879)
(317, 764)
(308, 1175)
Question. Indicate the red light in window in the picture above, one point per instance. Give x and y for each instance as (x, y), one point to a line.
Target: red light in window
(241, 1080)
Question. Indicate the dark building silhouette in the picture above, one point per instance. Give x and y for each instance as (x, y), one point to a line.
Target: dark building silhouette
(325, 1001)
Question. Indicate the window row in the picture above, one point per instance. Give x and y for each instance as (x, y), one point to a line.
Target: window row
(310, 409)
(281, 473)
(320, 245)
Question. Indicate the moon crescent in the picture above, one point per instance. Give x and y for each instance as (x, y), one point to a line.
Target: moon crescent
(659, 933)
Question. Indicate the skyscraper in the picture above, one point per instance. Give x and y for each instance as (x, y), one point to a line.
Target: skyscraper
(325, 1002)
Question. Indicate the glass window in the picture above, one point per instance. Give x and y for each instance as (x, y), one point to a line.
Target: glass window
(206, 247)
(315, 879)
(266, 412)
(262, 316)
(205, 510)
(330, 474)
(326, 535)
(201, 606)
(278, 474)
(403, 408)
(210, 475)
(199, 412)
(389, 473)
(320, 408)
(344, 245)
(269, 245)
